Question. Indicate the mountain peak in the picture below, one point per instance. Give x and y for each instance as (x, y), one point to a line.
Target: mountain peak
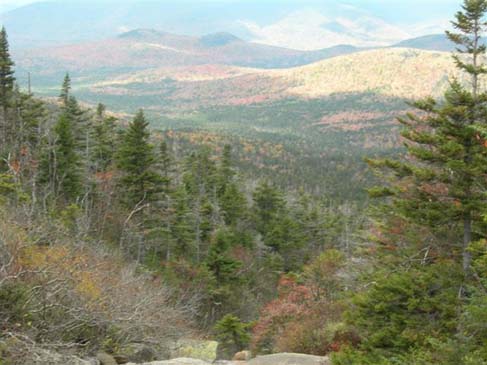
(141, 34)
(218, 39)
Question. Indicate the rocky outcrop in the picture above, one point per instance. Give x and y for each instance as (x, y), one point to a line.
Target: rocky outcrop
(275, 359)
(242, 356)
(179, 361)
(106, 359)
(17, 350)
(290, 359)
(195, 349)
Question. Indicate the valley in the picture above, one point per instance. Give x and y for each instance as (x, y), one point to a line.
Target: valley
(323, 114)
(243, 182)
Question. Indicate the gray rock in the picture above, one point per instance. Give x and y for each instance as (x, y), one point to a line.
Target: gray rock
(242, 356)
(194, 349)
(290, 359)
(145, 354)
(121, 359)
(178, 361)
(50, 358)
(138, 353)
(106, 359)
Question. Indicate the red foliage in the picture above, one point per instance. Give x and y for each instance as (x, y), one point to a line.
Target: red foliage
(291, 305)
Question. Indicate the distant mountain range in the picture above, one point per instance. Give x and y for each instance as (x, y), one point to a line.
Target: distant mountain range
(297, 24)
(144, 49)
(434, 42)
(148, 56)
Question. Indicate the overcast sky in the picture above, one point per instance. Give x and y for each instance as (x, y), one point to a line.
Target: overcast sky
(398, 11)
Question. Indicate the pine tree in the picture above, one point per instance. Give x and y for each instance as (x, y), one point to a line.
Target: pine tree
(64, 96)
(442, 182)
(225, 172)
(182, 226)
(232, 335)
(166, 165)
(136, 161)
(268, 202)
(436, 195)
(199, 180)
(162, 214)
(32, 113)
(233, 204)
(103, 141)
(7, 81)
(67, 174)
(471, 26)
(219, 261)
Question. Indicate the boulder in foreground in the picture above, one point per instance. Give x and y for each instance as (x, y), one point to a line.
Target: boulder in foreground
(290, 359)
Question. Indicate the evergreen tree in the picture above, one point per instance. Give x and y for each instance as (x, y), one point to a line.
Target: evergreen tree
(225, 172)
(182, 226)
(441, 183)
(166, 165)
(268, 202)
(32, 114)
(219, 262)
(233, 205)
(136, 161)
(67, 175)
(163, 211)
(232, 336)
(103, 141)
(199, 180)
(64, 96)
(470, 25)
(430, 220)
(7, 81)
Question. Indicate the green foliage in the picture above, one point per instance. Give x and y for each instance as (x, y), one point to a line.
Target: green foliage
(67, 161)
(69, 216)
(7, 78)
(395, 314)
(14, 300)
(136, 161)
(65, 90)
(232, 335)
(188, 215)
(268, 202)
(103, 141)
(219, 262)
(10, 190)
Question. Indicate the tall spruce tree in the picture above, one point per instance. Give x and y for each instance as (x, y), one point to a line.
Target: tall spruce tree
(436, 195)
(65, 90)
(470, 26)
(60, 163)
(441, 183)
(102, 141)
(7, 81)
(136, 161)
(67, 174)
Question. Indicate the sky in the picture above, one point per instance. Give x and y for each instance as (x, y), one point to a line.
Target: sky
(399, 10)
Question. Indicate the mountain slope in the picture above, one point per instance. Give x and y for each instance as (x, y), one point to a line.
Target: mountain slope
(144, 49)
(433, 42)
(397, 72)
(391, 73)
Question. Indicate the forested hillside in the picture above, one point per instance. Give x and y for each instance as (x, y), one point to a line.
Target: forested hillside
(345, 224)
(86, 198)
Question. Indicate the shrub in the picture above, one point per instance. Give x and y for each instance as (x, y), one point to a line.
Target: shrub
(233, 336)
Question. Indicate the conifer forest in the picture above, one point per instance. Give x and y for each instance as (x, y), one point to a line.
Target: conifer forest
(170, 200)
